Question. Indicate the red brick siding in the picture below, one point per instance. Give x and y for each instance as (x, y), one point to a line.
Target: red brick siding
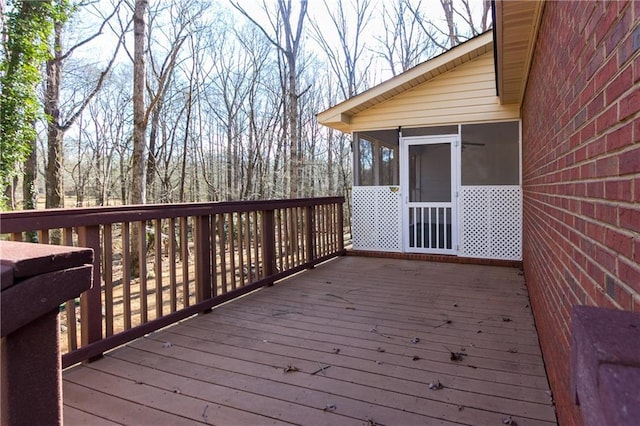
(581, 173)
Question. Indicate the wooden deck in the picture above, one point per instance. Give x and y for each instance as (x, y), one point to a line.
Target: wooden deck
(355, 341)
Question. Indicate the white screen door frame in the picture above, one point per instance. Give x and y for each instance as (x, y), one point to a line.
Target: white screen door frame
(430, 210)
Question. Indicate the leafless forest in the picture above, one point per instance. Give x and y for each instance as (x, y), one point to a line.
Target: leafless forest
(152, 101)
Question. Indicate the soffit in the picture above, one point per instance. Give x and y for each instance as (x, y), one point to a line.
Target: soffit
(516, 26)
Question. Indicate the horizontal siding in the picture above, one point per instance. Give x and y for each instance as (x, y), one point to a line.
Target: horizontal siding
(465, 94)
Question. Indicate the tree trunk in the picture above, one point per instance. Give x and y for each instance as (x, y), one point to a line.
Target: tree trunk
(29, 192)
(138, 183)
(54, 181)
(152, 157)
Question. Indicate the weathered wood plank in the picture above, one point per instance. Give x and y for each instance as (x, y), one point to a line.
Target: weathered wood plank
(356, 317)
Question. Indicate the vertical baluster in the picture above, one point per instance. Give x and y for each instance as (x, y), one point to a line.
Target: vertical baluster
(172, 264)
(240, 249)
(126, 275)
(142, 267)
(108, 277)
(340, 222)
(90, 300)
(285, 242)
(223, 254)
(232, 252)
(157, 229)
(184, 254)
(70, 306)
(43, 236)
(279, 230)
(257, 238)
(438, 227)
(309, 234)
(247, 244)
(327, 228)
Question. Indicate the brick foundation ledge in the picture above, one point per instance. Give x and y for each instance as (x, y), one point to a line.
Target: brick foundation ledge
(435, 258)
(605, 365)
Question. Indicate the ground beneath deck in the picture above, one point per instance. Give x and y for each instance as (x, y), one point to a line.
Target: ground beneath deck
(354, 341)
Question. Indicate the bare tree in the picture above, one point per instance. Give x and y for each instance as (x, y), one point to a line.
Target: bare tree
(138, 183)
(286, 36)
(59, 122)
(408, 38)
(345, 62)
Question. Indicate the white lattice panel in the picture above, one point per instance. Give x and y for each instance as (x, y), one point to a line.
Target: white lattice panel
(491, 222)
(376, 218)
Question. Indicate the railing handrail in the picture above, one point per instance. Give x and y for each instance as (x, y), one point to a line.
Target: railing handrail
(29, 220)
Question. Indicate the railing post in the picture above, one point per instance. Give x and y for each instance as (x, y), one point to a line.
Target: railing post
(310, 240)
(202, 238)
(268, 243)
(90, 300)
(36, 279)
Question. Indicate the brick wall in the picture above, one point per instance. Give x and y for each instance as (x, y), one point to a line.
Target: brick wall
(581, 173)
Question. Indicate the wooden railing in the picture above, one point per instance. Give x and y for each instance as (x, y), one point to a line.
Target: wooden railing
(157, 264)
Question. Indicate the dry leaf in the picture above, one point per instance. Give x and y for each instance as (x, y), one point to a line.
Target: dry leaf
(506, 319)
(336, 350)
(291, 369)
(167, 344)
(416, 358)
(436, 385)
(457, 356)
(509, 421)
(380, 350)
(512, 350)
(330, 407)
(415, 340)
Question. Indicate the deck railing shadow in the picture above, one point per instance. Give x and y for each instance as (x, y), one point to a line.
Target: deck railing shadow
(155, 265)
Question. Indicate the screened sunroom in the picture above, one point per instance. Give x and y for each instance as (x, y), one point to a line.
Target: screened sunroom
(437, 166)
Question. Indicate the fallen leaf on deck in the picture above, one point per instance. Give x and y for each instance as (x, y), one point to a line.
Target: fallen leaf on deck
(512, 350)
(415, 340)
(416, 358)
(455, 305)
(379, 362)
(167, 344)
(436, 385)
(336, 350)
(460, 407)
(509, 421)
(471, 366)
(479, 331)
(351, 308)
(380, 350)
(506, 319)
(457, 356)
(330, 407)
(291, 369)
(370, 422)
(204, 412)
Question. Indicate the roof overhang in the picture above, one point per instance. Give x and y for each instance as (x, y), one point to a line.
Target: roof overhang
(339, 116)
(516, 25)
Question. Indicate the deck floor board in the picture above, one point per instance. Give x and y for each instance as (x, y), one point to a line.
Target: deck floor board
(365, 338)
